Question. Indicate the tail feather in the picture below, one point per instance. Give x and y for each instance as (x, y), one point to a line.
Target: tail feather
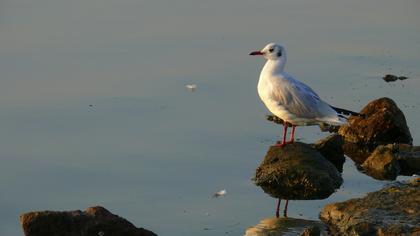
(346, 112)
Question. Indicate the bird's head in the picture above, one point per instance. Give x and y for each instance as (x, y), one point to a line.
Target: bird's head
(271, 51)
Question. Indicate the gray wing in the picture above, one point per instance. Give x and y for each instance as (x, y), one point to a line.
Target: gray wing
(300, 99)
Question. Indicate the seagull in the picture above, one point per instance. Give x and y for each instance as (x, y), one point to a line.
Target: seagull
(291, 100)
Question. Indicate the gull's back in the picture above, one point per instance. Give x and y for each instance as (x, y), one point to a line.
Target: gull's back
(292, 100)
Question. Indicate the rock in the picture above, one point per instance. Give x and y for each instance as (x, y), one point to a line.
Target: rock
(286, 226)
(297, 172)
(383, 123)
(324, 127)
(391, 78)
(358, 153)
(93, 221)
(382, 164)
(389, 161)
(409, 159)
(331, 148)
(394, 210)
(311, 231)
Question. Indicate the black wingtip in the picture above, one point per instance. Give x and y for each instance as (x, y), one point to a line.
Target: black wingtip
(347, 112)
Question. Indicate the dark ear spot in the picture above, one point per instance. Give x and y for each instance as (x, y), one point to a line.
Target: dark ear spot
(279, 53)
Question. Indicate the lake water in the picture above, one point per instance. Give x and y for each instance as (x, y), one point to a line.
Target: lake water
(94, 109)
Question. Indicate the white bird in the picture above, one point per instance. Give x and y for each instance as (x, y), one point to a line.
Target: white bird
(220, 193)
(291, 100)
(191, 87)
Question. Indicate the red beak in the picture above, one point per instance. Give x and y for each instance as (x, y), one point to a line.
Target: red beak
(256, 53)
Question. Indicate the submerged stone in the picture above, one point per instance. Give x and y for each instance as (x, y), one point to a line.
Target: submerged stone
(394, 210)
(297, 172)
(391, 78)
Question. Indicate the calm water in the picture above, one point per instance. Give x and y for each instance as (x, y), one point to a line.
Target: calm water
(94, 109)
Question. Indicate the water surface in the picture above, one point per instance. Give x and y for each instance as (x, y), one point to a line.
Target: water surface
(94, 109)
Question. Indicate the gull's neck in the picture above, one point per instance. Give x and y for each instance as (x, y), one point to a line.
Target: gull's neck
(274, 67)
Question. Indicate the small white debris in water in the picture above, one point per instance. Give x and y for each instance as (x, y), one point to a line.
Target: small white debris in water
(221, 193)
(191, 87)
(207, 214)
(414, 175)
(101, 233)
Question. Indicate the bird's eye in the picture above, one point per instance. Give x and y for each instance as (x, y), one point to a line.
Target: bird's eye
(271, 49)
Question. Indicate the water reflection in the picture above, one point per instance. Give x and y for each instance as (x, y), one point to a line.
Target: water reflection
(296, 171)
(284, 227)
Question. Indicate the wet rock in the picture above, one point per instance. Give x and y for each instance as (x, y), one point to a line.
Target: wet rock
(382, 164)
(383, 123)
(409, 159)
(394, 210)
(331, 148)
(297, 172)
(358, 153)
(391, 78)
(93, 221)
(311, 231)
(286, 226)
(389, 161)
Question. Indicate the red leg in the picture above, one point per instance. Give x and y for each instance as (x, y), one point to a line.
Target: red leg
(292, 138)
(284, 136)
(285, 208)
(278, 208)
